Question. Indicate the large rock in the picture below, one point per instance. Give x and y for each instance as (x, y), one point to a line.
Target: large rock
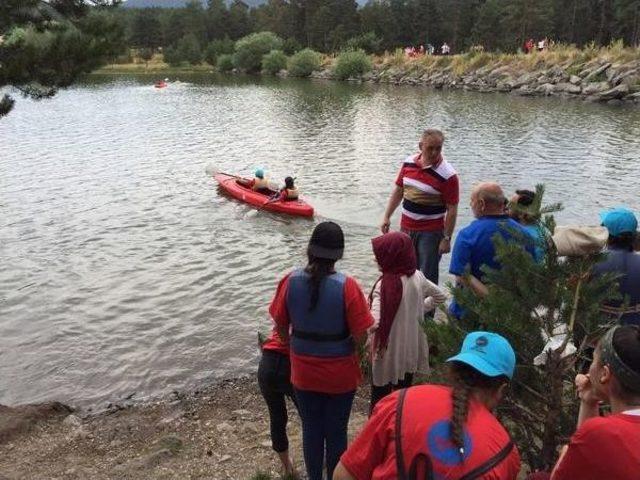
(594, 88)
(597, 71)
(615, 93)
(546, 89)
(567, 87)
(576, 80)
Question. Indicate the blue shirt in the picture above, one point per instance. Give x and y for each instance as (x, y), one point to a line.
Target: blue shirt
(538, 234)
(474, 248)
(627, 264)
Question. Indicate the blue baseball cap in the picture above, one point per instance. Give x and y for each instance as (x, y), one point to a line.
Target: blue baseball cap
(259, 173)
(488, 353)
(619, 220)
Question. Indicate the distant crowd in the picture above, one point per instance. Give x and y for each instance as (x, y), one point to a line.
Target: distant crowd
(322, 320)
(413, 52)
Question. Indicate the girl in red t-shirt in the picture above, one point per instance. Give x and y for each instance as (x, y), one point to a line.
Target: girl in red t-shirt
(325, 315)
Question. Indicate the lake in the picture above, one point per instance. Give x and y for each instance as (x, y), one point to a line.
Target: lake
(123, 267)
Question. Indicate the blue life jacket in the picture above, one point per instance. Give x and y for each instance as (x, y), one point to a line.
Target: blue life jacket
(322, 332)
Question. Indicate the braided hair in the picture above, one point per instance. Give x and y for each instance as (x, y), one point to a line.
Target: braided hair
(317, 268)
(465, 380)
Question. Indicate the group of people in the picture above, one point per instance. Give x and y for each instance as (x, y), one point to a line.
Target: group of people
(260, 183)
(529, 45)
(413, 52)
(323, 320)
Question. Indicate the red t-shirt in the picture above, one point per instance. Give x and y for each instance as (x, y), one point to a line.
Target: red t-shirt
(425, 429)
(276, 343)
(603, 448)
(426, 193)
(334, 374)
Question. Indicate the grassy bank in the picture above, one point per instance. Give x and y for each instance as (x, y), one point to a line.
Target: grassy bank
(567, 57)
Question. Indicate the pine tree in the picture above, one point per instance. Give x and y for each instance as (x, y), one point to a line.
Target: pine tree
(528, 302)
(47, 45)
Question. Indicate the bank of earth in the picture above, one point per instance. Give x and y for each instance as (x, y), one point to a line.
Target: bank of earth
(607, 75)
(221, 432)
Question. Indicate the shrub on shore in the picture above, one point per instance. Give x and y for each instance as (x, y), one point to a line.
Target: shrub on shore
(217, 48)
(274, 61)
(303, 63)
(352, 64)
(251, 49)
(225, 62)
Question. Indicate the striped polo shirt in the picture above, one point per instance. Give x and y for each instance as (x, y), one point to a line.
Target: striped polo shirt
(426, 194)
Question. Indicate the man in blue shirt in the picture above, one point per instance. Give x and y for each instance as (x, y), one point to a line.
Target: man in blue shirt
(474, 245)
(622, 260)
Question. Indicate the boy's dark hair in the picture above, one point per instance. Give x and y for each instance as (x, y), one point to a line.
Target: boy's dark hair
(289, 182)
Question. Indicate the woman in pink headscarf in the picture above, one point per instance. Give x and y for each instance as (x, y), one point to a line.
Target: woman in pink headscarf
(398, 301)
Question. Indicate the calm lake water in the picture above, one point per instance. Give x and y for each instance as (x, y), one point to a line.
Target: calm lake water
(124, 269)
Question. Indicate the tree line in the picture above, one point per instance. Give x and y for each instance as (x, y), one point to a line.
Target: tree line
(329, 25)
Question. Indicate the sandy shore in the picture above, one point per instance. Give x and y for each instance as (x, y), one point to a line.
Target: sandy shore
(221, 432)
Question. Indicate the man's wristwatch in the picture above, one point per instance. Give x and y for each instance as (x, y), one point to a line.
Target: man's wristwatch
(446, 237)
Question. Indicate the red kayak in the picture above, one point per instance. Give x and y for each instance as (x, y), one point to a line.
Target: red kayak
(160, 84)
(231, 185)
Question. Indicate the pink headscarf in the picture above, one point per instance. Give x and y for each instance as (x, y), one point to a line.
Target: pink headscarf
(396, 257)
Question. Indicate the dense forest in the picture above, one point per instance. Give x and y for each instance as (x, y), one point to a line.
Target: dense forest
(328, 25)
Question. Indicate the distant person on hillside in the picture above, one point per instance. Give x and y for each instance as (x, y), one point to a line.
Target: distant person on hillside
(421, 50)
(398, 302)
(446, 49)
(430, 49)
(542, 44)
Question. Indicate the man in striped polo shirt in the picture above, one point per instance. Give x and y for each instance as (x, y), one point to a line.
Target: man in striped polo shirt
(427, 186)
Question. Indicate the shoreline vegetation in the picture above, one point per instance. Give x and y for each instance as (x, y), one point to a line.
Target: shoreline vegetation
(596, 74)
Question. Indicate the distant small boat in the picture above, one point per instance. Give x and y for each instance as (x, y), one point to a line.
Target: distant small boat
(160, 84)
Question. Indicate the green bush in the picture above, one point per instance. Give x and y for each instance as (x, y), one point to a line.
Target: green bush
(369, 42)
(303, 63)
(217, 48)
(291, 46)
(352, 64)
(251, 49)
(274, 61)
(225, 62)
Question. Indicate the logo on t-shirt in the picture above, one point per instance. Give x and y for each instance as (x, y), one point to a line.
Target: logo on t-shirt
(442, 448)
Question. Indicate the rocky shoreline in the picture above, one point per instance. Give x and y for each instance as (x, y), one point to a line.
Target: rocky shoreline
(598, 80)
(221, 432)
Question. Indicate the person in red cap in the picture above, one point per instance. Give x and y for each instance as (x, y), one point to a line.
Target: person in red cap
(325, 315)
(434, 431)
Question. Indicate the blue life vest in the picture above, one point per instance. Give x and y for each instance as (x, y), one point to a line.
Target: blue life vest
(322, 332)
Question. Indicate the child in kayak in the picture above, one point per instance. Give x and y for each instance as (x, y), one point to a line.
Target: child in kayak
(289, 191)
(259, 183)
